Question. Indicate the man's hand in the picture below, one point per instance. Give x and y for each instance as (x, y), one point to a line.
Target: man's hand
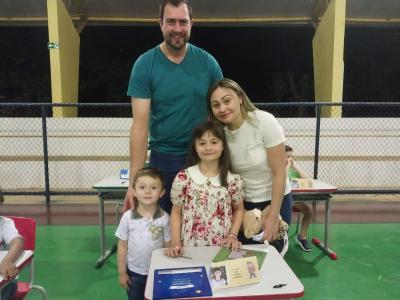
(8, 269)
(128, 201)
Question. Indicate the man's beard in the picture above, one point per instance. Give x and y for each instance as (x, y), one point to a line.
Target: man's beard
(179, 46)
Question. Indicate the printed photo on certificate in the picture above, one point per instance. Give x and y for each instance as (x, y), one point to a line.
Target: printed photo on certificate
(234, 272)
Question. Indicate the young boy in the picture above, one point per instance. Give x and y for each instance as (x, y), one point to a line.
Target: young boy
(140, 231)
(9, 240)
(294, 171)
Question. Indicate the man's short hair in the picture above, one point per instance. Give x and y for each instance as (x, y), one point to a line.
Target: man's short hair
(175, 3)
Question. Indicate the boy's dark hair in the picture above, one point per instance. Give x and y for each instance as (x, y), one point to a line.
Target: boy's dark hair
(175, 3)
(288, 148)
(153, 173)
(224, 161)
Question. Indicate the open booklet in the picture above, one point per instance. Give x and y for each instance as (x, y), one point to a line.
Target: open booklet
(234, 272)
(246, 251)
(233, 268)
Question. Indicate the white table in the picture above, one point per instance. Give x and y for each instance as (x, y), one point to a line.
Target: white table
(109, 189)
(23, 261)
(319, 191)
(113, 188)
(274, 271)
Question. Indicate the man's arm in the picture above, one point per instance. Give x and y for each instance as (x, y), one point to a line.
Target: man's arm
(137, 143)
(8, 269)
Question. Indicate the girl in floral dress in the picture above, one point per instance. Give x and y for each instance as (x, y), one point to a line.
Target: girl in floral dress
(207, 198)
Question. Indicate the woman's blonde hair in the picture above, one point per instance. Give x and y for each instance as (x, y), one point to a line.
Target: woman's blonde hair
(227, 83)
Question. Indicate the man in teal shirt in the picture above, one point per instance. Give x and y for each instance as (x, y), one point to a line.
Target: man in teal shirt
(168, 88)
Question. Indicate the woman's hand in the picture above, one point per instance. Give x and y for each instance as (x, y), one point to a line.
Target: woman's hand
(271, 227)
(232, 242)
(174, 250)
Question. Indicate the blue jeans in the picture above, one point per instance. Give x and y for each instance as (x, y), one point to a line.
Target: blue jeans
(169, 165)
(286, 213)
(138, 285)
(286, 208)
(8, 292)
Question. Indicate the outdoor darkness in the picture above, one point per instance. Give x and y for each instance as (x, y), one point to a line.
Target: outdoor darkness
(272, 64)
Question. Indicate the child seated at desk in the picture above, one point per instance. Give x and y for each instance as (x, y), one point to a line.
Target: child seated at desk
(293, 172)
(140, 231)
(11, 241)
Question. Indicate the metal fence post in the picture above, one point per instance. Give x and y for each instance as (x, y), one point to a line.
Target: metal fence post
(317, 138)
(45, 155)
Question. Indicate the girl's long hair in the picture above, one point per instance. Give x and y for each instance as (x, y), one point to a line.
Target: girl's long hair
(224, 162)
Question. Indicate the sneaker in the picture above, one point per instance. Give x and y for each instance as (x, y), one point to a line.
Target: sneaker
(305, 246)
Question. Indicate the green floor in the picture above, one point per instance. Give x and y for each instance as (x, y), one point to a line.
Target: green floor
(367, 268)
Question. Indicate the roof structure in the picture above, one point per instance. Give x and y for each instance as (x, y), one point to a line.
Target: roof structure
(207, 12)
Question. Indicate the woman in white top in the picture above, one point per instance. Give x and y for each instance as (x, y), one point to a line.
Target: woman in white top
(256, 143)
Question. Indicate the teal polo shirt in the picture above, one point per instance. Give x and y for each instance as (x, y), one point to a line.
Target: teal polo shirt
(177, 92)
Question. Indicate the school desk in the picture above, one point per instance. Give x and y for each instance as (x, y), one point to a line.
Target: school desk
(21, 263)
(109, 189)
(274, 271)
(319, 191)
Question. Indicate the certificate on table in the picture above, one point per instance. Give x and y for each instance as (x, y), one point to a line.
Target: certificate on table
(234, 272)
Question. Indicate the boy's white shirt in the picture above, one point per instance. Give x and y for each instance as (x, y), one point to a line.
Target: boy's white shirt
(143, 236)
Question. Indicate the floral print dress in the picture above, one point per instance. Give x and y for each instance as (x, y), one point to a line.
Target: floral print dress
(206, 206)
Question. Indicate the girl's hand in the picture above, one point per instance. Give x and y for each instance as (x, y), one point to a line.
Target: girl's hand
(232, 242)
(271, 226)
(124, 280)
(174, 250)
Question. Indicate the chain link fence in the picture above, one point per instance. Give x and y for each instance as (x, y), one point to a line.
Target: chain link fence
(355, 146)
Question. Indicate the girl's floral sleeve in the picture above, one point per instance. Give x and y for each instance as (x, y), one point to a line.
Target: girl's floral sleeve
(235, 188)
(178, 190)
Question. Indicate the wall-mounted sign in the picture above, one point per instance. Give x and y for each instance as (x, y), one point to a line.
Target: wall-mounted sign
(53, 45)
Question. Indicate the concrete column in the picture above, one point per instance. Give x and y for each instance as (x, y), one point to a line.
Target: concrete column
(64, 58)
(328, 46)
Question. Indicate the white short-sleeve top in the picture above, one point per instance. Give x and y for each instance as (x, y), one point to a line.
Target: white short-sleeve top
(8, 232)
(247, 146)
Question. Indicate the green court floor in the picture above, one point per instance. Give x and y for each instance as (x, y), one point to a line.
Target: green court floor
(367, 268)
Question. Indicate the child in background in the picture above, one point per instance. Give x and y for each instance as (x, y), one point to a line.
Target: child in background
(294, 171)
(9, 240)
(140, 231)
(207, 198)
